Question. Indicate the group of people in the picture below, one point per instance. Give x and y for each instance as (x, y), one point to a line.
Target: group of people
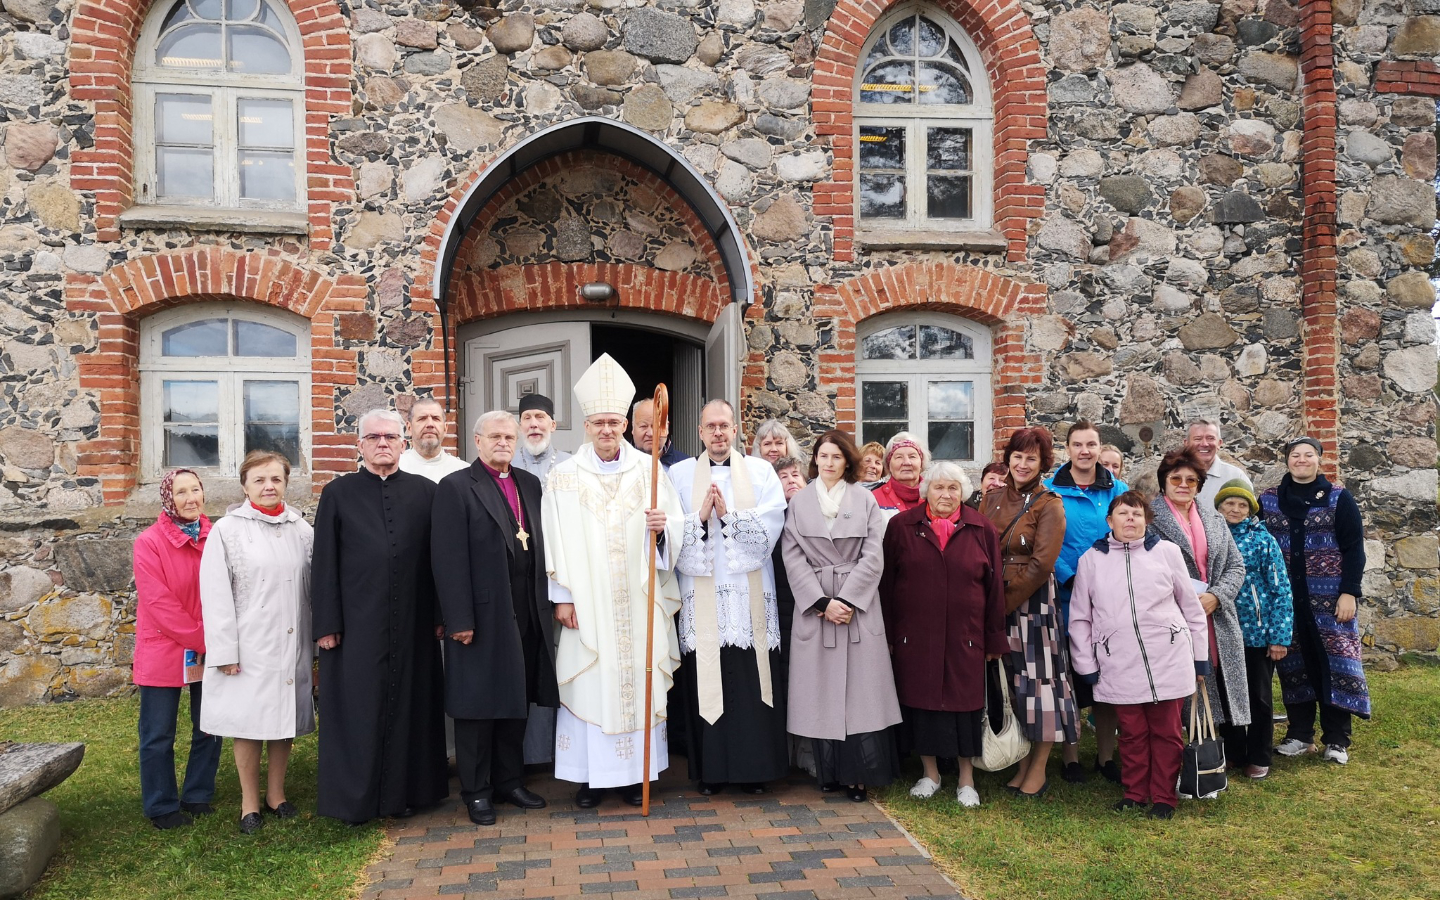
(837, 611)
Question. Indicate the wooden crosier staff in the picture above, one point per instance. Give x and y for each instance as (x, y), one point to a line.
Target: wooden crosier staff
(661, 418)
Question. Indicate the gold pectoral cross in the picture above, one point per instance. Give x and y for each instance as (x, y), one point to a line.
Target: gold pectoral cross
(523, 537)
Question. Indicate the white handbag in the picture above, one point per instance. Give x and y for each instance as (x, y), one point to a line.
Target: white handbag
(1006, 747)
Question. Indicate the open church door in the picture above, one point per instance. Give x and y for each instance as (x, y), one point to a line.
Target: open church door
(505, 365)
(722, 356)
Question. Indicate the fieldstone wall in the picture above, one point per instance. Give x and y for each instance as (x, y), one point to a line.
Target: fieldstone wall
(1161, 281)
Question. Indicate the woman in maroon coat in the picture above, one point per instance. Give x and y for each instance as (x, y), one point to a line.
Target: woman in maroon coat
(944, 603)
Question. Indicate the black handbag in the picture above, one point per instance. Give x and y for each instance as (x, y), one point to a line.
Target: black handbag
(1202, 768)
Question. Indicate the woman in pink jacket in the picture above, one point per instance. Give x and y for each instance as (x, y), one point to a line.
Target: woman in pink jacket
(167, 626)
(1138, 635)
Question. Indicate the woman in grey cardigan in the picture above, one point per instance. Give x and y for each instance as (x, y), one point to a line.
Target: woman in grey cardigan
(1219, 571)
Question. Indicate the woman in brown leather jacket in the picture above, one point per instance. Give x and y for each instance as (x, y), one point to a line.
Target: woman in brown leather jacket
(1031, 522)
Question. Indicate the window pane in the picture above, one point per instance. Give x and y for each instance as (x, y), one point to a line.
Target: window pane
(892, 343)
(204, 338)
(944, 343)
(902, 37)
(889, 82)
(948, 149)
(191, 46)
(882, 148)
(885, 400)
(879, 432)
(950, 399)
(952, 440)
(177, 14)
(184, 172)
(255, 339)
(955, 55)
(266, 123)
(272, 417)
(942, 83)
(932, 38)
(191, 417)
(948, 197)
(206, 9)
(257, 51)
(882, 196)
(239, 10)
(183, 119)
(267, 175)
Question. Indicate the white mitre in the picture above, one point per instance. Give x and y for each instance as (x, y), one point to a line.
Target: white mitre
(605, 388)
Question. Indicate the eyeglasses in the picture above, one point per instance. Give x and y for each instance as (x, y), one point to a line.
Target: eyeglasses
(1183, 480)
(381, 438)
(716, 429)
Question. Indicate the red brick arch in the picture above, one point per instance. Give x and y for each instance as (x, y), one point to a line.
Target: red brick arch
(973, 293)
(129, 292)
(1001, 31)
(102, 53)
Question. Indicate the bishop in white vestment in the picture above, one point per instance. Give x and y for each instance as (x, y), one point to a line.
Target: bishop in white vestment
(729, 622)
(597, 520)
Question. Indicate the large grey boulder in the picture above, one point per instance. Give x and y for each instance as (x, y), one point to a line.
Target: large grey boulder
(28, 770)
(29, 836)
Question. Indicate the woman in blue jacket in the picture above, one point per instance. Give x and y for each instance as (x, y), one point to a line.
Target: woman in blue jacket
(1087, 489)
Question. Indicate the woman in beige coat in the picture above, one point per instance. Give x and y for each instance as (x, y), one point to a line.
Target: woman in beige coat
(842, 689)
(255, 599)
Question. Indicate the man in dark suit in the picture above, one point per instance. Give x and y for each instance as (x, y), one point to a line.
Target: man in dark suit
(490, 577)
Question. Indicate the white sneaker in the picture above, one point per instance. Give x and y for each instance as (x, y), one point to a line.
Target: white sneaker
(968, 797)
(1293, 747)
(1337, 754)
(924, 789)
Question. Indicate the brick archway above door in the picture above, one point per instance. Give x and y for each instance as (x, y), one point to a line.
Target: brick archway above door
(999, 301)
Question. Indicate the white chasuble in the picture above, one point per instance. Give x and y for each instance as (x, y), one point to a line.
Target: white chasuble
(720, 561)
(596, 554)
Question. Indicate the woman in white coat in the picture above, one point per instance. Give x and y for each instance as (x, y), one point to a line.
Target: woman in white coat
(255, 598)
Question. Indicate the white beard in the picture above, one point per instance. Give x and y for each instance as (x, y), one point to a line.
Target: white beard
(535, 448)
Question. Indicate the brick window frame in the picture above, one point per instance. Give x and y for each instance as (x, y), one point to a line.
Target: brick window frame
(969, 292)
(1001, 31)
(127, 293)
(104, 34)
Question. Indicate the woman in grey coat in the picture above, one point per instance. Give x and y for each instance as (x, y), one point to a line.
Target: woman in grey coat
(842, 688)
(1219, 572)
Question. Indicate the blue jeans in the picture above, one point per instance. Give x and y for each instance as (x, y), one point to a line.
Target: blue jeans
(159, 708)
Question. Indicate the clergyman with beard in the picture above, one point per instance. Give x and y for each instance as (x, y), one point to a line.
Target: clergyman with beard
(427, 455)
(537, 427)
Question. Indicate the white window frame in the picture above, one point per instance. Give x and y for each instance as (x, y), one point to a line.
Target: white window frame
(978, 116)
(225, 90)
(918, 372)
(230, 372)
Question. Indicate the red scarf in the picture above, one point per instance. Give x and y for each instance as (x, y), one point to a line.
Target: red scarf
(269, 510)
(944, 525)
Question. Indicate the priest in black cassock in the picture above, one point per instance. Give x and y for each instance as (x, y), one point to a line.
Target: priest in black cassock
(490, 575)
(382, 728)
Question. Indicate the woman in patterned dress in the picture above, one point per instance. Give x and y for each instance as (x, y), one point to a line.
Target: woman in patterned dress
(1031, 522)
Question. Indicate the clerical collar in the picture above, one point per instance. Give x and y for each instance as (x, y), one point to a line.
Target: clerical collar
(492, 470)
(714, 463)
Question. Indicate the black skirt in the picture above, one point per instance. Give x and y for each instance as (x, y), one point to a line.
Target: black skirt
(869, 759)
(748, 743)
(945, 734)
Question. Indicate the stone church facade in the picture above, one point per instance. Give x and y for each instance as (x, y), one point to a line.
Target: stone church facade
(237, 223)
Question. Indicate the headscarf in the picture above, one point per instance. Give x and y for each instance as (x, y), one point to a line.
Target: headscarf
(167, 503)
(905, 443)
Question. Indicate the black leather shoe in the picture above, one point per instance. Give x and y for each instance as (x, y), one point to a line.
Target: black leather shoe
(1162, 811)
(197, 809)
(482, 811)
(633, 795)
(754, 788)
(177, 819)
(522, 798)
(1127, 805)
(856, 794)
(1110, 771)
(588, 797)
(710, 788)
(251, 823)
(1074, 773)
(286, 810)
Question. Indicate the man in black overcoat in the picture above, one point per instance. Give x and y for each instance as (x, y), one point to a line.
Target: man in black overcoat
(490, 575)
(382, 728)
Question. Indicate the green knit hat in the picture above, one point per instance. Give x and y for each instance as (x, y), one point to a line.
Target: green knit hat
(1238, 487)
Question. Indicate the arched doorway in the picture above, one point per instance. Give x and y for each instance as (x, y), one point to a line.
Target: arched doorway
(592, 237)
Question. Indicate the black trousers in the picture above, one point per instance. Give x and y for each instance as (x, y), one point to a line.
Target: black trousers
(489, 756)
(1251, 744)
(1334, 721)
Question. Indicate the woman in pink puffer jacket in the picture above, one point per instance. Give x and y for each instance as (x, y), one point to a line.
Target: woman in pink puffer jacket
(1137, 633)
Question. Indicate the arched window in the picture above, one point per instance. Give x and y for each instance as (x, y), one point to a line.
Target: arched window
(218, 380)
(928, 374)
(923, 126)
(219, 97)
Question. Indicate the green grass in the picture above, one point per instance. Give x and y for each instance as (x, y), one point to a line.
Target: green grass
(109, 849)
(1313, 830)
